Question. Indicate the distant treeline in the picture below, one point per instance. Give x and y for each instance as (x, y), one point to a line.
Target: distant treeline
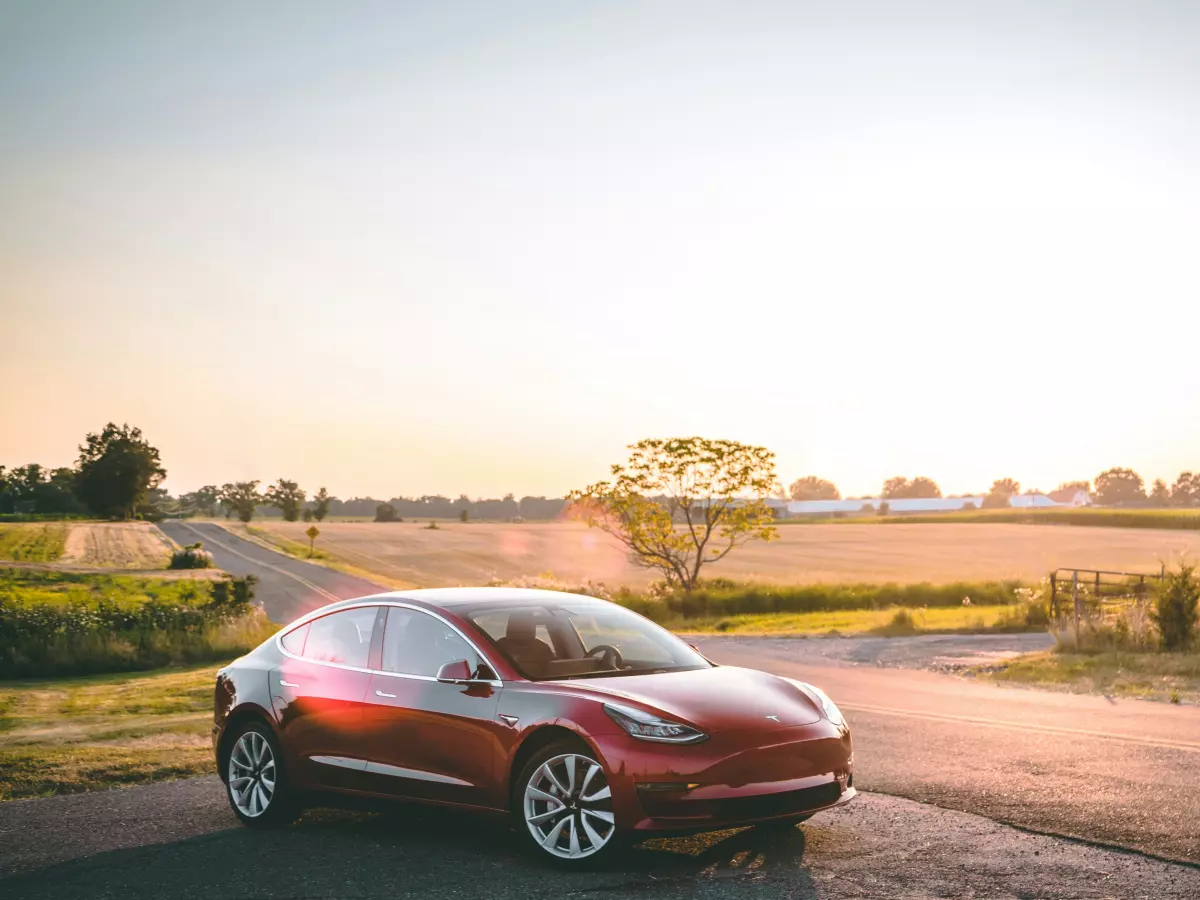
(438, 507)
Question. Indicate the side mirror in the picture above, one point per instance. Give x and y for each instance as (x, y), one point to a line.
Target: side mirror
(455, 672)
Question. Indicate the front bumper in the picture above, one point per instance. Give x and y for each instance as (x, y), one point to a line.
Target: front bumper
(732, 779)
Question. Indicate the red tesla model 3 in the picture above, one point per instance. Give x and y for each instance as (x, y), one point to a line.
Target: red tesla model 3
(587, 723)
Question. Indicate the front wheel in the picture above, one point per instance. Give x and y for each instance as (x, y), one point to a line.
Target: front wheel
(563, 805)
(255, 781)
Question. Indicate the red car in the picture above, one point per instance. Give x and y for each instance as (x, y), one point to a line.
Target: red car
(587, 723)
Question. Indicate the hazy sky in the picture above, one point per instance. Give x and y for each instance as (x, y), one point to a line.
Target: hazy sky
(439, 247)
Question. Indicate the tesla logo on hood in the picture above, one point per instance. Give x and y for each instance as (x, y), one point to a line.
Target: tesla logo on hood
(773, 718)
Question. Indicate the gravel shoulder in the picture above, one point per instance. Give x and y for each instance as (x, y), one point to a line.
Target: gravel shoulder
(178, 839)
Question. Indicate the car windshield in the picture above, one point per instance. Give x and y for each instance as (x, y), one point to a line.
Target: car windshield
(583, 638)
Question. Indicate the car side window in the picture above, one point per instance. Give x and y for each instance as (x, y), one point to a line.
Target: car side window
(293, 641)
(416, 643)
(342, 637)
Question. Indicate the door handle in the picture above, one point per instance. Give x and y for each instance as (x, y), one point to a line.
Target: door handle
(288, 683)
(385, 694)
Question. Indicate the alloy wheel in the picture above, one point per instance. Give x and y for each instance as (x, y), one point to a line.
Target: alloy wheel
(252, 774)
(568, 806)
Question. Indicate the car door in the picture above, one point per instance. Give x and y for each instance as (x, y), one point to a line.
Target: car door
(318, 691)
(427, 739)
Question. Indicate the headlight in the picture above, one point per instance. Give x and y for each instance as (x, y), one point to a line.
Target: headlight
(648, 727)
(832, 713)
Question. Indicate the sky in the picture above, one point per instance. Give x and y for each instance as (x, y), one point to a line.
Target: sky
(481, 247)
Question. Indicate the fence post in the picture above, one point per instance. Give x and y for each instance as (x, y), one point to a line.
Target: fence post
(1054, 594)
(1075, 595)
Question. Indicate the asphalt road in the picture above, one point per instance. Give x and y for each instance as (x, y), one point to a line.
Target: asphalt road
(287, 587)
(1122, 772)
(179, 840)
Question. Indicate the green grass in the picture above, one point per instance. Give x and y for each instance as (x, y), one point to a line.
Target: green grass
(720, 599)
(77, 734)
(32, 542)
(55, 623)
(1150, 676)
(953, 620)
(1186, 519)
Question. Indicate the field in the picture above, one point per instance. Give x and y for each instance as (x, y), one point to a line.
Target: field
(118, 545)
(32, 542)
(75, 734)
(956, 620)
(409, 554)
(1094, 517)
(122, 545)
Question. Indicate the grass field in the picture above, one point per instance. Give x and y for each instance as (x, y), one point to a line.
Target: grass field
(408, 554)
(958, 620)
(1151, 676)
(76, 734)
(32, 541)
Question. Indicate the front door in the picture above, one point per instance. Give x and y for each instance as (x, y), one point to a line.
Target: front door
(319, 696)
(425, 739)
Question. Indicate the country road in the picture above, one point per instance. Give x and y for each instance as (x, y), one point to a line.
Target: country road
(287, 587)
(948, 767)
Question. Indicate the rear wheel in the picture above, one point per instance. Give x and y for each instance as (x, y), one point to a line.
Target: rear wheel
(255, 781)
(563, 804)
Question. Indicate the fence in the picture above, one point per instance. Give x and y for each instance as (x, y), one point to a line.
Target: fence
(1096, 586)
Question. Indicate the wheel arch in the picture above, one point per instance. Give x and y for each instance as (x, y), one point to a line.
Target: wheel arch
(249, 712)
(538, 738)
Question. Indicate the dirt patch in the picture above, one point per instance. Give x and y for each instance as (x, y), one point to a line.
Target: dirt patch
(117, 545)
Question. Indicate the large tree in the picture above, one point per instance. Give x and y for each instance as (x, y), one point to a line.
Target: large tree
(1003, 490)
(900, 488)
(810, 487)
(242, 497)
(203, 500)
(287, 497)
(1119, 487)
(679, 504)
(320, 507)
(117, 468)
(1160, 496)
(1185, 492)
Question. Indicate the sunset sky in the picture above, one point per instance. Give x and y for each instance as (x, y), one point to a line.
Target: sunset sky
(406, 248)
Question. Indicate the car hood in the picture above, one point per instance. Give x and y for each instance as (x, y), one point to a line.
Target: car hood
(723, 698)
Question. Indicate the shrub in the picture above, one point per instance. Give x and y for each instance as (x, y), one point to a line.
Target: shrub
(884, 508)
(902, 622)
(72, 624)
(385, 512)
(1175, 608)
(193, 556)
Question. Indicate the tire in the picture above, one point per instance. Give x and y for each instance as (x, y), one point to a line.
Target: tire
(255, 781)
(562, 807)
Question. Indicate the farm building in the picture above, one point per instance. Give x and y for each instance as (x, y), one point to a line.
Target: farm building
(927, 504)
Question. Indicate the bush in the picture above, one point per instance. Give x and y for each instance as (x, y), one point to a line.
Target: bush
(193, 556)
(55, 624)
(1175, 608)
(385, 512)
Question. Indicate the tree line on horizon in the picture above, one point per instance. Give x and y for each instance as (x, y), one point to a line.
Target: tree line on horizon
(118, 475)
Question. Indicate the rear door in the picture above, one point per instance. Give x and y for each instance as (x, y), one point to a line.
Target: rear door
(426, 739)
(318, 691)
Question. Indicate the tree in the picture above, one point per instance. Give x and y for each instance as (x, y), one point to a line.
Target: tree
(810, 487)
(1085, 486)
(242, 497)
(900, 488)
(117, 468)
(1003, 489)
(385, 512)
(1160, 496)
(287, 497)
(1185, 492)
(202, 501)
(679, 504)
(1119, 487)
(320, 507)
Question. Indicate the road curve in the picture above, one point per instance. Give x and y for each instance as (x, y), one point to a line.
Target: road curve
(179, 840)
(287, 587)
(1121, 772)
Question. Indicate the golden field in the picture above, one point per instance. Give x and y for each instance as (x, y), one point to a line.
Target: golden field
(410, 554)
